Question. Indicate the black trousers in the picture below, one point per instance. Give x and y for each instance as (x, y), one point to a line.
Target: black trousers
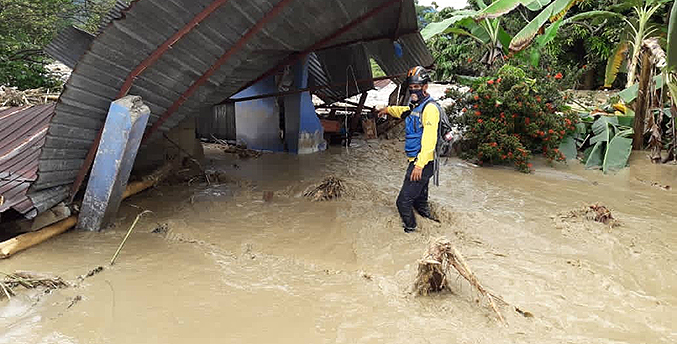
(414, 195)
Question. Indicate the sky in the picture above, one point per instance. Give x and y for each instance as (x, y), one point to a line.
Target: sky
(445, 3)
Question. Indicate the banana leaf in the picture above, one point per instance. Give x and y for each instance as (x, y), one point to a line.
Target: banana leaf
(603, 129)
(537, 4)
(672, 41)
(568, 148)
(461, 32)
(554, 11)
(581, 134)
(629, 94)
(504, 37)
(595, 156)
(615, 62)
(627, 121)
(549, 34)
(481, 4)
(433, 29)
(618, 151)
(501, 7)
(592, 15)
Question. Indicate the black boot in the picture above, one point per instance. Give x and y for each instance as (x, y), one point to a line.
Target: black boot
(426, 213)
(409, 230)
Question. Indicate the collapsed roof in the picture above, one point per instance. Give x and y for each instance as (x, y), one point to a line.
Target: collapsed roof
(181, 56)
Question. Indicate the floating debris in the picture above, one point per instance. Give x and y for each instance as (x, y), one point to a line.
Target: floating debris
(330, 188)
(240, 150)
(524, 313)
(161, 229)
(655, 184)
(595, 212)
(11, 282)
(95, 271)
(435, 268)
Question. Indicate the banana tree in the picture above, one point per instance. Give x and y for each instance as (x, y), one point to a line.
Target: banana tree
(670, 73)
(550, 10)
(486, 32)
(640, 29)
(670, 70)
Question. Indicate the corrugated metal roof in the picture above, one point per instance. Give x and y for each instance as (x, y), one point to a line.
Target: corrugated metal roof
(115, 13)
(348, 66)
(69, 46)
(415, 52)
(147, 24)
(22, 134)
(71, 42)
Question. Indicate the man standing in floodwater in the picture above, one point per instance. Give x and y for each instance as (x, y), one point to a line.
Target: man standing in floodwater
(422, 119)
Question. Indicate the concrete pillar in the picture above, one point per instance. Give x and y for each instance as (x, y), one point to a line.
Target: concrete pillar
(305, 132)
(122, 134)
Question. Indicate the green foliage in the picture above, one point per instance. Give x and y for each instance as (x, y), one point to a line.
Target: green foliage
(26, 26)
(455, 55)
(552, 11)
(376, 70)
(509, 117)
(608, 144)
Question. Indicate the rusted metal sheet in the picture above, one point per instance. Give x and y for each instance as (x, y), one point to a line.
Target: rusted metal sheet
(196, 59)
(22, 134)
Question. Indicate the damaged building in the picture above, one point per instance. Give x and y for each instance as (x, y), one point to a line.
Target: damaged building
(242, 71)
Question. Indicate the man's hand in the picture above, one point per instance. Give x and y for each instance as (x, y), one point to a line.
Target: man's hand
(382, 112)
(416, 174)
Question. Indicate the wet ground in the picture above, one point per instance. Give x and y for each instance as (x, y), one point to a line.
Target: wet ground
(232, 268)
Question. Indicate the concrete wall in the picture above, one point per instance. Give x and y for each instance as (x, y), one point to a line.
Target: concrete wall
(160, 150)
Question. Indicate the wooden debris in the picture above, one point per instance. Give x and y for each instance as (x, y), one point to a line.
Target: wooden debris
(330, 188)
(435, 269)
(11, 282)
(241, 151)
(24, 241)
(11, 96)
(28, 240)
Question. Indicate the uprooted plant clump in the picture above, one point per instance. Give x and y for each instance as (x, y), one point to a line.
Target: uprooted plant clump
(435, 270)
(331, 188)
(596, 213)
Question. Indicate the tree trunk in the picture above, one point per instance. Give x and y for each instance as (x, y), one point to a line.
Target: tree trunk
(642, 102)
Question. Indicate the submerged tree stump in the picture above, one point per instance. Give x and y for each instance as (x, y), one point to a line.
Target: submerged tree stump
(435, 268)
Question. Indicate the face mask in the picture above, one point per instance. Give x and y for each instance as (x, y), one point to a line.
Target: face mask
(419, 96)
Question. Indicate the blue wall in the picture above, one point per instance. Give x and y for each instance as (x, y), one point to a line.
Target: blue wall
(258, 121)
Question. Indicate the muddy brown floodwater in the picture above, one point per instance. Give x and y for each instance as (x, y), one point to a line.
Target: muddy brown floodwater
(233, 268)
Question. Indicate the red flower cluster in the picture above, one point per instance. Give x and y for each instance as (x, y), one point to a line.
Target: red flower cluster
(510, 122)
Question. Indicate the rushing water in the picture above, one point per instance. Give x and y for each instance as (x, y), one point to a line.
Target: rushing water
(233, 268)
